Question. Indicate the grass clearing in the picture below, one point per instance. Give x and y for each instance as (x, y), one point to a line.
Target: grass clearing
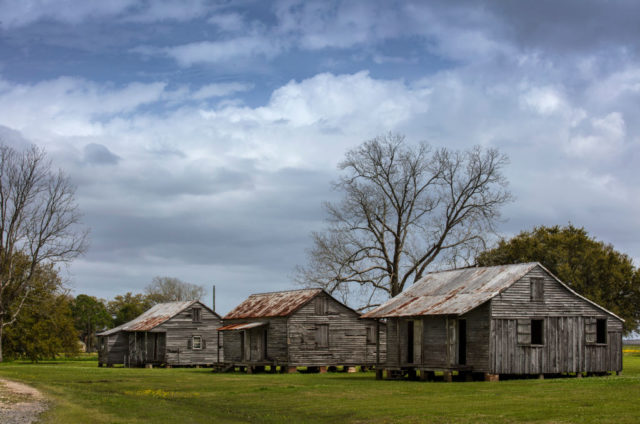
(81, 392)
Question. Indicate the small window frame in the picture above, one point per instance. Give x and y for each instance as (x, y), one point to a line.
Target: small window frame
(197, 346)
(536, 289)
(196, 315)
(371, 335)
(321, 305)
(322, 340)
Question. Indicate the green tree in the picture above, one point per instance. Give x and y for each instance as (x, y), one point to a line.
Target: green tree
(127, 307)
(89, 315)
(170, 289)
(44, 328)
(590, 267)
(39, 226)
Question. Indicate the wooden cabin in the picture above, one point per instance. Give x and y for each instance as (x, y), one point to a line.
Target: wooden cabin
(169, 334)
(502, 320)
(299, 328)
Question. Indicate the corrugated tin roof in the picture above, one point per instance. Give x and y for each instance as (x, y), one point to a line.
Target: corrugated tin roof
(452, 292)
(151, 318)
(242, 326)
(275, 304)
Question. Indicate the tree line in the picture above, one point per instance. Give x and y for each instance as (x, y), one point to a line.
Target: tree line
(52, 322)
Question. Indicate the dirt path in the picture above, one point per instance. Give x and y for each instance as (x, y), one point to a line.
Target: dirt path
(19, 403)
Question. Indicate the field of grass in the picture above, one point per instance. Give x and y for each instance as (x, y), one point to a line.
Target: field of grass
(83, 393)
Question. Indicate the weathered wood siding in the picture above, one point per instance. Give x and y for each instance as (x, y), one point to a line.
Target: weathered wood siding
(276, 351)
(180, 330)
(564, 348)
(435, 341)
(478, 337)
(114, 350)
(347, 336)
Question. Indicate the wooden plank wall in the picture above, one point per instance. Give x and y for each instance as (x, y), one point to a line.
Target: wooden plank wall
(347, 336)
(563, 351)
(180, 329)
(478, 335)
(116, 347)
(276, 340)
(564, 348)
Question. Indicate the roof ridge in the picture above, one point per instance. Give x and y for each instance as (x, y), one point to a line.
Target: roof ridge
(287, 291)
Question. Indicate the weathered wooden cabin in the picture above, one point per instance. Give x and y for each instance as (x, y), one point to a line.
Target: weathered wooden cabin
(299, 328)
(170, 334)
(512, 319)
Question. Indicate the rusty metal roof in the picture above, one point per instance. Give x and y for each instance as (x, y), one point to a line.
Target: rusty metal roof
(152, 317)
(452, 292)
(275, 304)
(242, 326)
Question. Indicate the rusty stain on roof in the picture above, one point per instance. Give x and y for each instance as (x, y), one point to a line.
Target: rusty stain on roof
(151, 318)
(452, 292)
(242, 326)
(275, 304)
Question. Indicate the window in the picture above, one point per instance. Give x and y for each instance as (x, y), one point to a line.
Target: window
(321, 306)
(322, 335)
(595, 330)
(530, 332)
(196, 342)
(371, 335)
(196, 314)
(601, 331)
(537, 289)
(537, 332)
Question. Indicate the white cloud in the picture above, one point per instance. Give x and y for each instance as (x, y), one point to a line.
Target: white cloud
(544, 100)
(220, 90)
(602, 139)
(223, 51)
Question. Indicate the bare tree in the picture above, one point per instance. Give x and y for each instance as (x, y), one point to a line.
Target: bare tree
(405, 208)
(39, 220)
(169, 289)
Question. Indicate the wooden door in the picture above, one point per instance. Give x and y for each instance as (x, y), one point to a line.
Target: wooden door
(452, 345)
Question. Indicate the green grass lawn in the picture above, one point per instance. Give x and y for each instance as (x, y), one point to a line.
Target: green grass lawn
(83, 393)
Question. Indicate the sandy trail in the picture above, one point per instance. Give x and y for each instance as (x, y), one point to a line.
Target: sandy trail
(19, 403)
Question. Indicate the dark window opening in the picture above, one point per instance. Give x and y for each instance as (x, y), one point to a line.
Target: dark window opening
(410, 342)
(196, 314)
(537, 332)
(537, 289)
(601, 331)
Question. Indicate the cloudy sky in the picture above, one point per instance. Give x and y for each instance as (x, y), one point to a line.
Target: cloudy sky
(203, 136)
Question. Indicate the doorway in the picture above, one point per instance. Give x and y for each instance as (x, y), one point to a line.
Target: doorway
(410, 342)
(462, 341)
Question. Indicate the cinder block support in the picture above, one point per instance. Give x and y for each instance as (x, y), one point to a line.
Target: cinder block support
(491, 377)
(540, 376)
(578, 375)
(448, 376)
(379, 373)
(288, 370)
(322, 370)
(618, 372)
(148, 365)
(249, 369)
(351, 369)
